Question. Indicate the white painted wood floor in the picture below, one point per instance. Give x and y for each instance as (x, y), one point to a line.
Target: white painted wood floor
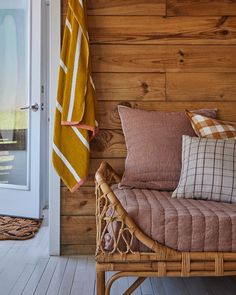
(27, 269)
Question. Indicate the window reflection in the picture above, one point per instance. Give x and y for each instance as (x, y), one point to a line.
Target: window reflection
(13, 91)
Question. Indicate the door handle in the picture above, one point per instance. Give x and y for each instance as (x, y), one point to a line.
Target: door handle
(34, 107)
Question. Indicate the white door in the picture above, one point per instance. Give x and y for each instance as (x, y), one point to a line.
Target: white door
(20, 107)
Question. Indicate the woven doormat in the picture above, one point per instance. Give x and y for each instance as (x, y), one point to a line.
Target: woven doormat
(14, 228)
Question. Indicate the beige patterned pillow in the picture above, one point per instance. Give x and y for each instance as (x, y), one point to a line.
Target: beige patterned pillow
(211, 128)
(208, 170)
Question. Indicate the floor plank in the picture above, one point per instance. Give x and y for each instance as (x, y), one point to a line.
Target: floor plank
(27, 269)
(218, 286)
(84, 279)
(158, 287)
(68, 277)
(57, 276)
(146, 287)
(174, 286)
(35, 277)
(14, 263)
(22, 280)
(46, 277)
(196, 286)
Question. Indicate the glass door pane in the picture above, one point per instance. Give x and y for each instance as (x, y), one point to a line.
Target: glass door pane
(14, 93)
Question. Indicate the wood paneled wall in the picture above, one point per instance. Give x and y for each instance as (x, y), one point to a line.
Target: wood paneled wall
(150, 54)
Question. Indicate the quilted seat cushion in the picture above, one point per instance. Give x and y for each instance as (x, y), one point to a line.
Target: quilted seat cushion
(181, 224)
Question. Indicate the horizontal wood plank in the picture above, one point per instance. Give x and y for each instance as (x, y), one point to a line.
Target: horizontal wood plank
(108, 144)
(109, 117)
(201, 86)
(193, 7)
(78, 230)
(163, 58)
(130, 86)
(160, 30)
(126, 7)
(78, 249)
(82, 202)
(122, 7)
(117, 164)
(111, 144)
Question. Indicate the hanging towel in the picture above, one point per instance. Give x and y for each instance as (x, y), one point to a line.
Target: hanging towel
(75, 122)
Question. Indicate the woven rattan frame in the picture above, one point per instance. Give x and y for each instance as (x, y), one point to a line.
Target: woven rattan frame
(161, 261)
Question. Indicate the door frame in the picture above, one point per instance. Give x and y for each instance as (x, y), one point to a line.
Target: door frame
(54, 180)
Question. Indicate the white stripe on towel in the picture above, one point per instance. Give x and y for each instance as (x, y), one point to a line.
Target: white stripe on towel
(68, 25)
(66, 162)
(76, 130)
(75, 72)
(58, 106)
(79, 134)
(63, 66)
(91, 81)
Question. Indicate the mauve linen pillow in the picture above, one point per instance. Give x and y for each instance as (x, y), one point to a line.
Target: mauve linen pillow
(154, 143)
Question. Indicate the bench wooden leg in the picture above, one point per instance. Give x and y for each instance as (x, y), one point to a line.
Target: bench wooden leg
(134, 286)
(100, 282)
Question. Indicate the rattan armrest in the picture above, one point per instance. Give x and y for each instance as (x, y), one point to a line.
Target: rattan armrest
(106, 173)
(110, 211)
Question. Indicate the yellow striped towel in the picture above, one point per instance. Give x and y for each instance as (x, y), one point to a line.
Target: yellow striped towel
(75, 106)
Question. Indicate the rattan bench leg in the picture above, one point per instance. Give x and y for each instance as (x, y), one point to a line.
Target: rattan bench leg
(134, 286)
(100, 282)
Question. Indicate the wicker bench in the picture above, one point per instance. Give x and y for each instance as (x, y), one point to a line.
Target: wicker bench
(161, 261)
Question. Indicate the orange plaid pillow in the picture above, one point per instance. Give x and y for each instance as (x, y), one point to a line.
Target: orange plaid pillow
(211, 128)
